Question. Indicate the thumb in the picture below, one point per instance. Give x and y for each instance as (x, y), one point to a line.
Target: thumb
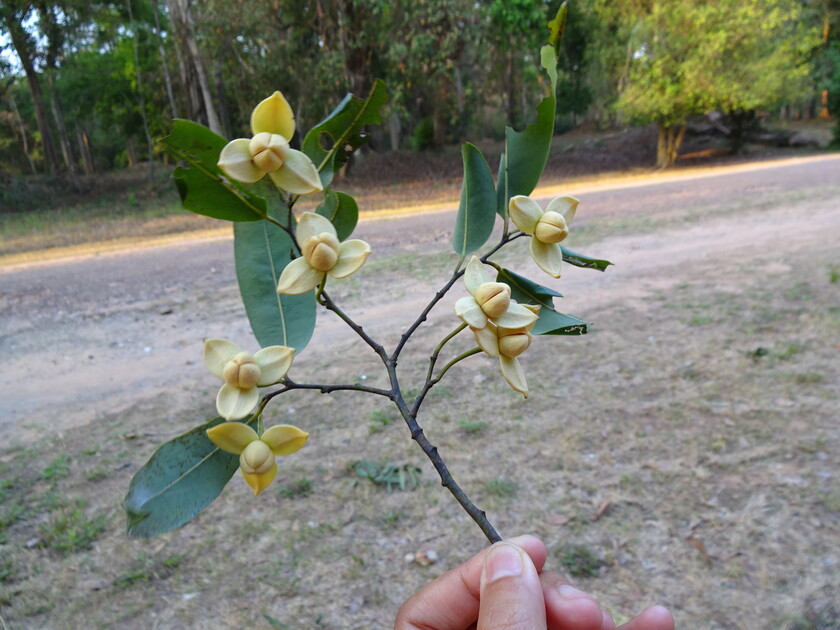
(511, 596)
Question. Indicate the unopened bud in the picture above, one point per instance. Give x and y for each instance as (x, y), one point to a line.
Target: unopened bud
(551, 228)
(321, 251)
(493, 298)
(256, 458)
(242, 371)
(267, 151)
(514, 345)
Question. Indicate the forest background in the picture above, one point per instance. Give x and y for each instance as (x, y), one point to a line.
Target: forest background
(88, 87)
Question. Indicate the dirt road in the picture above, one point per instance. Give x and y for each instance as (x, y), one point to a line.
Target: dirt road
(685, 452)
(90, 335)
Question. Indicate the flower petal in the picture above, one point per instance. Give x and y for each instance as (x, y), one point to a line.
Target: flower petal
(475, 275)
(217, 352)
(260, 481)
(565, 206)
(352, 255)
(548, 256)
(298, 174)
(274, 362)
(487, 340)
(235, 162)
(517, 316)
(468, 310)
(273, 115)
(525, 213)
(232, 437)
(234, 403)
(513, 374)
(298, 277)
(284, 439)
(311, 224)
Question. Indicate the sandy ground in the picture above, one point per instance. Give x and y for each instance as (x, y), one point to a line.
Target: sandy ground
(114, 342)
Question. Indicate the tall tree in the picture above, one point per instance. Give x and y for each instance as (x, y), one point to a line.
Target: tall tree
(685, 57)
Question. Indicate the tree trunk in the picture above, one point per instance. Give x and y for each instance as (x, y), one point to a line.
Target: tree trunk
(131, 151)
(141, 99)
(164, 64)
(20, 40)
(58, 116)
(224, 110)
(84, 152)
(180, 9)
(668, 144)
(23, 138)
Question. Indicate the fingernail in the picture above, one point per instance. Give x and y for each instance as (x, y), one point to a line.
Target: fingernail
(503, 561)
(570, 592)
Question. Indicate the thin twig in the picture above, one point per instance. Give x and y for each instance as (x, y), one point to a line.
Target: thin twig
(326, 301)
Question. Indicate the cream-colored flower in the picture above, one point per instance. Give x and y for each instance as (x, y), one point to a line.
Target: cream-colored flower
(489, 301)
(547, 228)
(256, 454)
(248, 160)
(508, 344)
(243, 373)
(321, 254)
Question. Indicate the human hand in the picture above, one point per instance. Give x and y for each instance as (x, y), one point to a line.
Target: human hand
(504, 587)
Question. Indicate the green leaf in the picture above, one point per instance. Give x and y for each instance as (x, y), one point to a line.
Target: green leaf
(550, 322)
(180, 479)
(556, 28)
(526, 154)
(261, 252)
(331, 142)
(204, 189)
(579, 260)
(342, 211)
(548, 60)
(477, 211)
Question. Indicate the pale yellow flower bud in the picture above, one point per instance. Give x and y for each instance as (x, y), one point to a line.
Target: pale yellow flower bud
(514, 344)
(256, 458)
(267, 151)
(242, 371)
(493, 298)
(551, 228)
(321, 251)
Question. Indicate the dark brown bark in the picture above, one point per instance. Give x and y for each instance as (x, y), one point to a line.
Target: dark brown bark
(21, 42)
(84, 152)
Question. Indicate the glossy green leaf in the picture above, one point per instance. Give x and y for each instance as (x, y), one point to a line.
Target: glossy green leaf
(330, 143)
(526, 154)
(261, 252)
(203, 188)
(550, 322)
(525, 291)
(579, 260)
(181, 478)
(477, 210)
(342, 211)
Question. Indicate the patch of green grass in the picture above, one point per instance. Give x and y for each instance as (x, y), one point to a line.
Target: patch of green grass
(834, 274)
(127, 579)
(790, 351)
(809, 378)
(93, 450)
(501, 487)
(298, 488)
(580, 560)
(58, 468)
(8, 571)
(701, 320)
(71, 530)
(96, 474)
(379, 419)
(472, 426)
(11, 514)
(389, 476)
